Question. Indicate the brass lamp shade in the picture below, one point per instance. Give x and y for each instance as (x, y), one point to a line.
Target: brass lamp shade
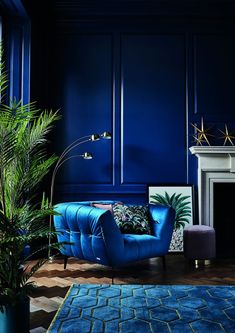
(106, 135)
(95, 137)
(87, 156)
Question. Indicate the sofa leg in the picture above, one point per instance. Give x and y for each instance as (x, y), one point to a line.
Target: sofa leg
(65, 261)
(163, 262)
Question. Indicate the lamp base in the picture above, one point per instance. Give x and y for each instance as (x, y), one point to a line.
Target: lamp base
(50, 259)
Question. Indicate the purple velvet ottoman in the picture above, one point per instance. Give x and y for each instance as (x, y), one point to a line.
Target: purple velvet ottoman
(199, 242)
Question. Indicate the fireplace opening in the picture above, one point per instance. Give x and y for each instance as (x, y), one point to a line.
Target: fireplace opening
(224, 219)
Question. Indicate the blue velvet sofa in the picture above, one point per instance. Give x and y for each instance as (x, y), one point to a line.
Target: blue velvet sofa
(95, 236)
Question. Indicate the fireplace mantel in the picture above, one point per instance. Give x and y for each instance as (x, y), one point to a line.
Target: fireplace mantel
(215, 164)
(212, 149)
(215, 157)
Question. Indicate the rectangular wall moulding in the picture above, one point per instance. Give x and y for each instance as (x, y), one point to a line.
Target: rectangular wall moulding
(214, 74)
(84, 78)
(153, 108)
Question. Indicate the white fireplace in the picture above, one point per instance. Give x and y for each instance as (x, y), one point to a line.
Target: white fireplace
(216, 164)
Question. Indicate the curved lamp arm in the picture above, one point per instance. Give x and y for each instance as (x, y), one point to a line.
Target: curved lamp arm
(85, 156)
(62, 159)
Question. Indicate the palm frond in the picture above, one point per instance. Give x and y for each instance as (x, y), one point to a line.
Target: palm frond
(160, 199)
(177, 202)
(3, 74)
(27, 275)
(182, 219)
(168, 198)
(24, 162)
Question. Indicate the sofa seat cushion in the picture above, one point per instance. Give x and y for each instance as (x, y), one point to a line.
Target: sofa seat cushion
(132, 219)
(139, 247)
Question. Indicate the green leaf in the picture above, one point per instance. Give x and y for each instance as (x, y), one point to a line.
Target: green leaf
(160, 199)
(183, 219)
(179, 225)
(24, 163)
(168, 199)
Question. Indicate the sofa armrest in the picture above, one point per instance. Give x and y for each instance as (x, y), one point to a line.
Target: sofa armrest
(162, 219)
(95, 227)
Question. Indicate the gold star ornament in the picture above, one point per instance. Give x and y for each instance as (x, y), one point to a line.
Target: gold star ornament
(198, 140)
(201, 134)
(227, 136)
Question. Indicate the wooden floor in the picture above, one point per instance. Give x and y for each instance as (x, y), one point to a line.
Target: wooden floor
(53, 281)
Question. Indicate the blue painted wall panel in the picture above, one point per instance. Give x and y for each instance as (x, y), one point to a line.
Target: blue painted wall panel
(145, 78)
(84, 93)
(153, 109)
(214, 74)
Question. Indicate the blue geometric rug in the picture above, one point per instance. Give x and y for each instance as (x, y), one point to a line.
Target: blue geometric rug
(102, 308)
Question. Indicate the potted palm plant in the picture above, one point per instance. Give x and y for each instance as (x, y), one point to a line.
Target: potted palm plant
(24, 162)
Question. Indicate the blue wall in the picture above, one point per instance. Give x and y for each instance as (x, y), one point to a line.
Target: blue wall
(16, 38)
(144, 77)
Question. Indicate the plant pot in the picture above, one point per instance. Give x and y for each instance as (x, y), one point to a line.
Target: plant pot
(15, 318)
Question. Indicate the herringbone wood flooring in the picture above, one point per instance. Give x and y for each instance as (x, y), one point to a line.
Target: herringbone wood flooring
(53, 281)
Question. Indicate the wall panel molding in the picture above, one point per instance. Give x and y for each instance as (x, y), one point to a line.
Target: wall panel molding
(84, 76)
(147, 70)
(161, 65)
(214, 74)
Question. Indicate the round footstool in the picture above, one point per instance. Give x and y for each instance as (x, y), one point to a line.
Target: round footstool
(199, 242)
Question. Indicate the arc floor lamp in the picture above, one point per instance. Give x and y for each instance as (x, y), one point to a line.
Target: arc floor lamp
(65, 156)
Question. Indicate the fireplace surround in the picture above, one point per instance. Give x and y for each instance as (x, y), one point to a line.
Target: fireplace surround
(216, 164)
(216, 185)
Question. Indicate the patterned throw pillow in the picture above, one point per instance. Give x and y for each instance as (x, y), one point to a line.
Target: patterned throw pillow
(132, 219)
(103, 206)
